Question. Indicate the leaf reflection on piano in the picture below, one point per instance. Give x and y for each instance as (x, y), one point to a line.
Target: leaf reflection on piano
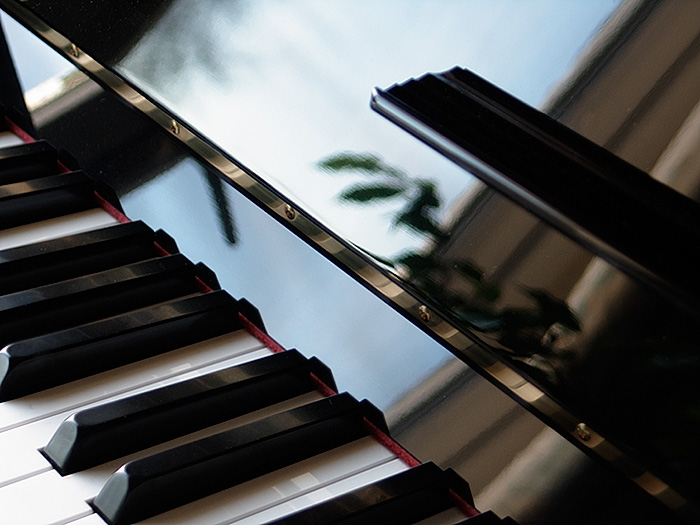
(524, 333)
(223, 207)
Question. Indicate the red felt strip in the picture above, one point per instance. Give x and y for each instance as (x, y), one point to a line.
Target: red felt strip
(322, 387)
(400, 452)
(14, 128)
(112, 210)
(464, 506)
(260, 335)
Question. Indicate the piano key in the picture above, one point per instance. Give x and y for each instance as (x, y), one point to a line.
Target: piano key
(405, 498)
(20, 445)
(77, 394)
(37, 264)
(48, 360)
(85, 299)
(45, 198)
(112, 430)
(8, 139)
(146, 487)
(76, 489)
(54, 228)
(27, 161)
(317, 494)
(40, 500)
(92, 519)
(267, 497)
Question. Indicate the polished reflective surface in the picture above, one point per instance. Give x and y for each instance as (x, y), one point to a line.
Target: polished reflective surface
(285, 91)
(436, 406)
(286, 88)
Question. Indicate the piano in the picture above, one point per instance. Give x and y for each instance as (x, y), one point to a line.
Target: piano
(533, 432)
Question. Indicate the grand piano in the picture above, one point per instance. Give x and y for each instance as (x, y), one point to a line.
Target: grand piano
(527, 334)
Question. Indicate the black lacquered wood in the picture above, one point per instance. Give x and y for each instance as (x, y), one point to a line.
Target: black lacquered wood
(616, 210)
(405, 498)
(85, 299)
(158, 483)
(42, 263)
(28, 161)
(12, 102)
(45, 198)
(487, 518)
(56, 358)
(106, 432)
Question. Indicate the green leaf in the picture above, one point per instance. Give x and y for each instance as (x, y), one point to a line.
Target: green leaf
(418, 221)
(365, 162)
(552, 310)
(481, 321)
(428, 197)
(362, 193)
(418, 264)
(487, 291)
(469, 270)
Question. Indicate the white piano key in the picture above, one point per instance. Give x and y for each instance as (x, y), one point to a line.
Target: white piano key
(69, 494)
(54, 228)
(7, 139)
(42, 500)
(324, 493)
(249, 499)
(92, 519)
(76, 394)
(19, 455)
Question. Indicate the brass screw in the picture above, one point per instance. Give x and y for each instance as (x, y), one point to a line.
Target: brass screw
(583, 432)
(174, 127)
(424, 313)
(289, 212)
(74, 50)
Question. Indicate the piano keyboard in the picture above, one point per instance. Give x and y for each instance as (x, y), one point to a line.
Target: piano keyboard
(132, 389)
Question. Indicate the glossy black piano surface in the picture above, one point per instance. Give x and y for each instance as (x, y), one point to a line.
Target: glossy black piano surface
(476, 258)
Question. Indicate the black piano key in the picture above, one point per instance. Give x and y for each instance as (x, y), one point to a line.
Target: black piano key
(100, 434)
(408, 497)
(38, 264)
(27, 161)
(85, 299)
(60, 357)
(163, 481)
(45, 198)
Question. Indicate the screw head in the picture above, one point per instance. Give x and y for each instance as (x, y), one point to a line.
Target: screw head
(174, 127)
(290, 212)
(583, 432)
(74, 50)
(424, 313)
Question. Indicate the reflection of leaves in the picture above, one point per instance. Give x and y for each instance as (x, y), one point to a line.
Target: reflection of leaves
(554, 311)
(469, 270)
(223, 207)
(483, 289)
(418, 214)
(481, 321)
(416, 220)
(362, 193)
(366, 162)
(418, 264)
(526, 332)
(422, 199)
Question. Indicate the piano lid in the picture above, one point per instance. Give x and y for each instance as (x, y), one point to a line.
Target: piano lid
(285, 91)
